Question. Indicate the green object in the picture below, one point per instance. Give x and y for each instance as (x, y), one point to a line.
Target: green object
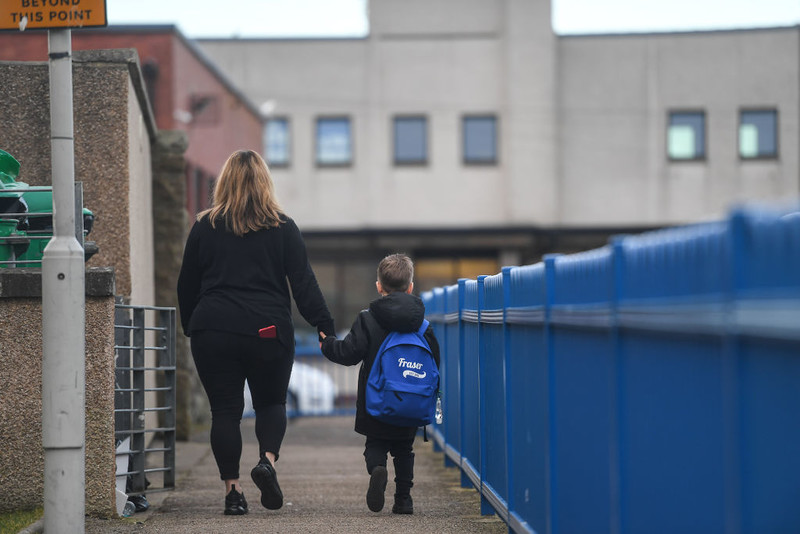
(9, 169)
(11, 193)
(7, 228)
(26, 241)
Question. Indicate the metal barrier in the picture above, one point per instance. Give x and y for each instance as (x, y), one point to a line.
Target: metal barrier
(144, 397)
(650, 385)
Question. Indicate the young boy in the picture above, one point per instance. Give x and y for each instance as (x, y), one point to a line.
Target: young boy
(397, 310)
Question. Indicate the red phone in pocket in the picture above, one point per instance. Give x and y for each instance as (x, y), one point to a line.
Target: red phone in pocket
(268, 332)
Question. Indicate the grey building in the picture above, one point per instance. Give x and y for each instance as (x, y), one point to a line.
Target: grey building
(468, 134)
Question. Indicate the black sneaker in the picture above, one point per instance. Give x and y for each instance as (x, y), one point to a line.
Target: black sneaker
(267, 481)
(235, 503)
(377, 485)
(403, 504)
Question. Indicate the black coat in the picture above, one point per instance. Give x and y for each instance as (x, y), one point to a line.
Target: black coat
(396, 312)
(239, 284)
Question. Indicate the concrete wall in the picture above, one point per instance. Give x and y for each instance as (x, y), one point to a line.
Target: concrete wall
(170, 230)
(582, 119)
(113, 127)
(615, 96)
(140, 203)
(22, 460)
(402, 17)
(442, 60)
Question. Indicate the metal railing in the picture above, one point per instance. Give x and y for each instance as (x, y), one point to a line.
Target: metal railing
(144, 396)
(650, 385)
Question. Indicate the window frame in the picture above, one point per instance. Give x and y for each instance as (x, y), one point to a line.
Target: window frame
(775, 156)
(480, 162)
(344, 164)
(288, 162)
(688, 111)
(426, 146)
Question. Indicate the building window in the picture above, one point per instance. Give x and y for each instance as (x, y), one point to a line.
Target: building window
(334, 141)
(410, 140)
(480, 139)
(758, 134)
(276, 142)
(686, 137)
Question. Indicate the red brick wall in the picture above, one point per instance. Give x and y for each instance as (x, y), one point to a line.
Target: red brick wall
(225, 124)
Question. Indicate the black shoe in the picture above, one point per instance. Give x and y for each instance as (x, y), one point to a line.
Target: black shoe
(267, 481)
(377, 485)
(140, 502)
(235, 503)
(403, 504)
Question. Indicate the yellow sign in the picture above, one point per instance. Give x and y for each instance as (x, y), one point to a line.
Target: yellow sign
(24, 15)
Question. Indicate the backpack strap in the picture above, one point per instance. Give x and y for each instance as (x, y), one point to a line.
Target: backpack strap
(423, 328)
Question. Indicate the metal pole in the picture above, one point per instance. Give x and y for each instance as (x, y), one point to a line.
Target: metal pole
(63, 306)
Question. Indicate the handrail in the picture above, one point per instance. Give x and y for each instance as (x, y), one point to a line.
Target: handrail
(650, 385)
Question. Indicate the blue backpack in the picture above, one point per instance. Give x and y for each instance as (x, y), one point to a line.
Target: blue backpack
(403, 381)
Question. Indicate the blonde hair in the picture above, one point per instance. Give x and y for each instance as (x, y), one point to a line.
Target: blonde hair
(395, 272)
(244, 196)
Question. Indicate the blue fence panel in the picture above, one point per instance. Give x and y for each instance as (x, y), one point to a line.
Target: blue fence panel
(671, 434)
(677, 265)
(451, 361)
(766, 249)
(470, 382)
(672, 413)
(526, 379)
(766, 253)
(493, 393)
(769, 379)
(647, 386)
(581, 390)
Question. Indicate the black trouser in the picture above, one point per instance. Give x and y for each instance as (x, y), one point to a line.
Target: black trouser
(402, 453)
(224, 360)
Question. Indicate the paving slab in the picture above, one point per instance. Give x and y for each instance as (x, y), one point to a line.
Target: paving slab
(324, 481)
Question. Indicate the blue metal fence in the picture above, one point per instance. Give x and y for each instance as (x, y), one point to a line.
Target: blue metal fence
(651, 385)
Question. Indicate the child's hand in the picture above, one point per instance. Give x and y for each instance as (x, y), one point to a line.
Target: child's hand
(322, 335)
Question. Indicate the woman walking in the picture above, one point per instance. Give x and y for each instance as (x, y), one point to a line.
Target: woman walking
(235, 305)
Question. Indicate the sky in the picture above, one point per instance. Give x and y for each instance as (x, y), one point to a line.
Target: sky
(348, 18)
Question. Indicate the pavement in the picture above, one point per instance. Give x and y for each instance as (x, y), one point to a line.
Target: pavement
(324, 481)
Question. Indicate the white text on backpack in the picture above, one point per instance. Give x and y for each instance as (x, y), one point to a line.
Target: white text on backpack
(402, 362)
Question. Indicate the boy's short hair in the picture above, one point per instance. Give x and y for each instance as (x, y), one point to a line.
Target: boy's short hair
(395, 272)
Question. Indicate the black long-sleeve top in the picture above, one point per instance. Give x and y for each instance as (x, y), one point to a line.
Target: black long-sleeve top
(396, 312)
(239, 283)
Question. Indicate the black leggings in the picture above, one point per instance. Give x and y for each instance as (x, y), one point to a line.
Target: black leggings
(402, 451)
(224, 360)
